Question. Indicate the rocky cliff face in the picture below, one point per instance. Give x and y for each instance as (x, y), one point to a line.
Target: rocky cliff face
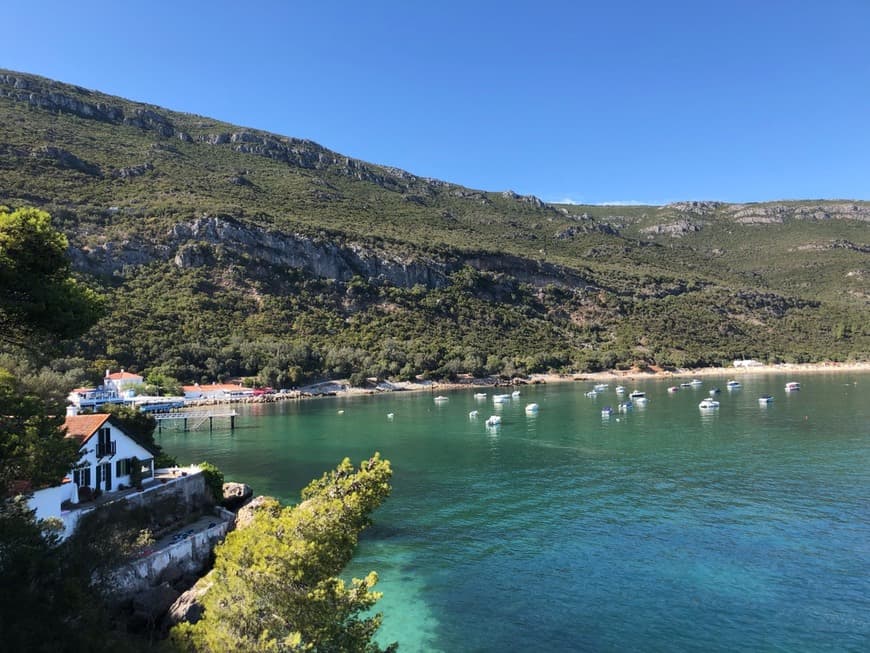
(207, 240)
(689, 217)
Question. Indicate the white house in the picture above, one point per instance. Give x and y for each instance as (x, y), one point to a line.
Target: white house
(122, 381)
(106, 462)
(117, 388)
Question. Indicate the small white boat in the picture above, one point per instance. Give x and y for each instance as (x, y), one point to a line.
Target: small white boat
(732, 385)
(637, 394)
(714, 391)
(686, 384)
(620, 389)
(515, 394)
(473, 414)
(531, 409)
(440, 399)
(493, 420)
(390, 415)
(601, 387)
(592, 394)
(765, 399)
(480, 395)
(641, 401)
(696, 382)
(607, 411)
(625, 406)
(791, 386)
(501, 399)
(674, 388)
(708, 404)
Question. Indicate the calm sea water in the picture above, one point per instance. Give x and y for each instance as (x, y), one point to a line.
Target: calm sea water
(663, 529)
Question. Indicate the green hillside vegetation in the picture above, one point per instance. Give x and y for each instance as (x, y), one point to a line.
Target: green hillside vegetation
(225, 251)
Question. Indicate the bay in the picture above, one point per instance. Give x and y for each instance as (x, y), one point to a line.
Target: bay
(666, 528)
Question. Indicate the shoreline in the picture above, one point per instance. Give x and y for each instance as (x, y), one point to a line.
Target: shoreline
(341, 388)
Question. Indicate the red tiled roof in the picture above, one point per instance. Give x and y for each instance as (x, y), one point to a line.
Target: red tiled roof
(82, 389)
(212, 387)
(82, 427)
(123, 375)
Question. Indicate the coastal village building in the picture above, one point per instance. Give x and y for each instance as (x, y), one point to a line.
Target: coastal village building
(217, 391)
(117, 388)
(108, 461)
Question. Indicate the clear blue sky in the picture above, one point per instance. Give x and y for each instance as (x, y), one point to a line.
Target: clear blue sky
(618, 101)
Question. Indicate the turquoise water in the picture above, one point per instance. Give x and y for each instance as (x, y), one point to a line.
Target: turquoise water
(662, 529)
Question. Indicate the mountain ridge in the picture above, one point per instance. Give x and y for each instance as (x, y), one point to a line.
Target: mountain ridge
(148, 196)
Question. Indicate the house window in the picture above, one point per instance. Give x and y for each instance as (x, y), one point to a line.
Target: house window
(122, 467)
(82, 476)
(105, 444)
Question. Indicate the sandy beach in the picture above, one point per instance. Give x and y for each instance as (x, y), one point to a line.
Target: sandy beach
(617, 375)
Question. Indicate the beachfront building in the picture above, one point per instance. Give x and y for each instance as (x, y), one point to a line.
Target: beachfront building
(217, 391)
(117, 388)
(110, 461)
(122, 381)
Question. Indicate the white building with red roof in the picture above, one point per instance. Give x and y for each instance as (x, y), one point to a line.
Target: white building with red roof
(110, 461)
(117, 388)
(121, 381)
(220, 391)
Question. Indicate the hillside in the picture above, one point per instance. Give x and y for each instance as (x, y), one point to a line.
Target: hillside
(226, 250)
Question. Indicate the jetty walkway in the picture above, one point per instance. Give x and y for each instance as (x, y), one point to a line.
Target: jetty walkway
(192, 420)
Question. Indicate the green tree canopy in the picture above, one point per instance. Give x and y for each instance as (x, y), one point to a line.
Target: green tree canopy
(33, 451)
(39, 300)
(275, 586)
(47, 602)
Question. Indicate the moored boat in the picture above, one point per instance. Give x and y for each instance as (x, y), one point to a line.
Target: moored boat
(440, 399)
(620, 389)
(625, 406)
(732, 384)
(708, 404)
(765, 399)
(791, 386)
(674, 388)
(531, 409)
(607, 411)
(637, 394)
(493, 420)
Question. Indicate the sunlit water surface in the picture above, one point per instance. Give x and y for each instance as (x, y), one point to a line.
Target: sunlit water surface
(666, 528)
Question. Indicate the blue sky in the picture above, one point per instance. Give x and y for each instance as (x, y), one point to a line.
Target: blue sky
(594, 102)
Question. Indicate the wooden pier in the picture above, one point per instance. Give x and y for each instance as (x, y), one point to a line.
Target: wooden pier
(193, 420)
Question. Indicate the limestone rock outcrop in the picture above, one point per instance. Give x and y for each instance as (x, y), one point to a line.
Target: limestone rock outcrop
(236, 495)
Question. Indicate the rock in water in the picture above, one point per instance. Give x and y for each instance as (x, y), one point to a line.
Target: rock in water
(236, 495)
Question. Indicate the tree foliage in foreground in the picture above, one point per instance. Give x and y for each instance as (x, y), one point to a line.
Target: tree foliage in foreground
(275, 581)
(49, 601)
(39, 299)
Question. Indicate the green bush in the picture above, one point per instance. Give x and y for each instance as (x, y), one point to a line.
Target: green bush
(214, 480)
